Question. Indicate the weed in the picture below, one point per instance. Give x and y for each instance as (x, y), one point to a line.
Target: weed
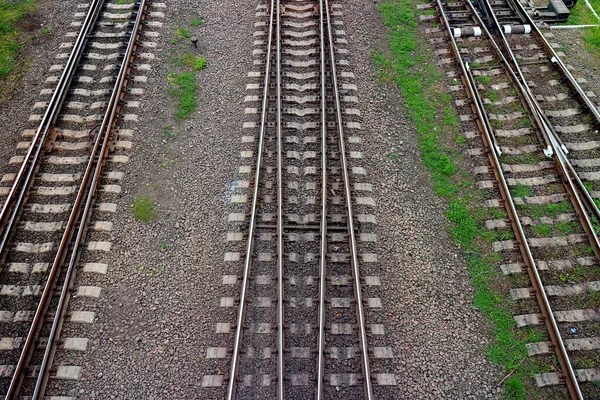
(183, 86)
(196, 22)
(193, 62)
(143, 209)
(521, 191)
(541, 229)
(549, 210)
(525, 123)
(567, 227)
(169, 132)
(496, 123)
(45, 31)
(152, 271)
(163, 246)
(181, 34)
(483, 79)
(492, 96)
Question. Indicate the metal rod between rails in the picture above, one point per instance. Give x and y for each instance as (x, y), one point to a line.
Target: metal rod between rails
(323, 255)
(231, 386)
(360, 316)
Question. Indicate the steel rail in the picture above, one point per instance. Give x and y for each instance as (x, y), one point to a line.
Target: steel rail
(280, 269)
(546, 123)
(97, 163)
(25, 177)
(77, 219)
(231, 385)
(540, 293)
(323, 260)
(570, 178)
(360, 315)
(554, 58)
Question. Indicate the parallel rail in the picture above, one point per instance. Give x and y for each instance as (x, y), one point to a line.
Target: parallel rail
(24, 179)
(327, 57)
(76, 227)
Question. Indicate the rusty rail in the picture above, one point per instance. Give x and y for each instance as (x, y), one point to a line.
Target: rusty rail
(239, 329)
(524, 248)
(76, 224)
(24, 178)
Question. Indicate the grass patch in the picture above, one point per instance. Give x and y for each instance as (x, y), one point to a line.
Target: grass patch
(192, 62)
(181, 34)
(151, 271)
(411, 67)
(550, 210)
(521, 191)
(183, 87)
(196, 22)
(483, 79)
(10, 16)
(143, 209)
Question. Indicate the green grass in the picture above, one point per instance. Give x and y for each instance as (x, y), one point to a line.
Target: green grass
(169, 132)
(521, 191)
(192, 62)
(196, 22)
(151, 271)
(181, 34)
(483, 79)
(143, 209)
(492, 96)
(183, 87)
(410, 65)
(581, 15)
(549, 210)
(10, 16)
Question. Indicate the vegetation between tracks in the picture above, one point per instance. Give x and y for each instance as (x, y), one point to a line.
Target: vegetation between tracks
(409, 64)
(143, 209)
(10, 16)
(182, 83)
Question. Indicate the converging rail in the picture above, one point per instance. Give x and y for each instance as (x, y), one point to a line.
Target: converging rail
(298, 18)
(464, 19)
(61, 270)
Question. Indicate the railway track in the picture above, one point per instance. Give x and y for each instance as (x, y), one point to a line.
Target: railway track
(532, 133)
(51, 194)
(302, 328)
